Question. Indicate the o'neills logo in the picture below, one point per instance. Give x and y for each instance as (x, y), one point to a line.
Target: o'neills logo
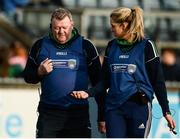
(61, 53)
(123, 56)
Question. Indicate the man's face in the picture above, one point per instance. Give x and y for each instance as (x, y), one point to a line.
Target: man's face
(62, 29)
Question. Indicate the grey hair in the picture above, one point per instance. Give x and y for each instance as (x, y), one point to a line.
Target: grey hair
(61, 13)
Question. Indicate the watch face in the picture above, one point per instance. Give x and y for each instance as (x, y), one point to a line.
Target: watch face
(168, 113)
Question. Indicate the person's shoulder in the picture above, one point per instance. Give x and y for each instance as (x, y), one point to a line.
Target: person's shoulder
(88, 44)
(149, 43)
(110, 42)
(87, 41)
(36, 46)
(38, 42)
(151, 50)
(90, 48)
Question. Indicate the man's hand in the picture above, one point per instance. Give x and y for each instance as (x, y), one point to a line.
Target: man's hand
(102, 127)
(80, 94)
(171, 122)
(45, 67)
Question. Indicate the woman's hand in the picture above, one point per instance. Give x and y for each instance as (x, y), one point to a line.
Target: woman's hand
(102, 127)
(171, 122)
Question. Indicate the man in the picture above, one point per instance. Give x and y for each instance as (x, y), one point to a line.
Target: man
(62, 62)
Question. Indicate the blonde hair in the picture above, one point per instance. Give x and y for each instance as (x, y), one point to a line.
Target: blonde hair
(61, 13)
(134, 18)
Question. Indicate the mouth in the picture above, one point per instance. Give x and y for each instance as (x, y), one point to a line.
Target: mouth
(61, 36)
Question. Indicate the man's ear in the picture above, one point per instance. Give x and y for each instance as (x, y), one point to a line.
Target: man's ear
(72, 23)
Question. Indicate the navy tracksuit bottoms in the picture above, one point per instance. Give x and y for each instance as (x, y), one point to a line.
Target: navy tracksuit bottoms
(130, 120)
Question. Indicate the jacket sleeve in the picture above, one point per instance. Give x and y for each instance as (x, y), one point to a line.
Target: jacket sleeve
(93, 63)
(30, 72)
(156, 77)
(100, 82)
(101, 74)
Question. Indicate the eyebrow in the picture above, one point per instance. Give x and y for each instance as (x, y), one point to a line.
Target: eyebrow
(113, 24)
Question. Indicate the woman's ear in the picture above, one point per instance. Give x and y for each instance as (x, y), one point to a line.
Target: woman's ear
(124, 25)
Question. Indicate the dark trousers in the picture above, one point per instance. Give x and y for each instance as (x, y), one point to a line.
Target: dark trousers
(64, 133)
(72, 123)
(130, 120)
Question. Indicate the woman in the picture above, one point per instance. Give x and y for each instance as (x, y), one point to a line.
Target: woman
(132, 73)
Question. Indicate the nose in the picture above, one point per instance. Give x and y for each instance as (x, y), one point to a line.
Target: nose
(60, 31)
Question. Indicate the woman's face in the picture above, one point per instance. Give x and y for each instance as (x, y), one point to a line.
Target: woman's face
(119, 29)
(116, 29)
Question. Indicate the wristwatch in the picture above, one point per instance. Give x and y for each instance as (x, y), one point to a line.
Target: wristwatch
(168, 113)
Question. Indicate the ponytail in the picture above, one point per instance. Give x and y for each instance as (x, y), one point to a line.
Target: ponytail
(136, 26)
(134, 18)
